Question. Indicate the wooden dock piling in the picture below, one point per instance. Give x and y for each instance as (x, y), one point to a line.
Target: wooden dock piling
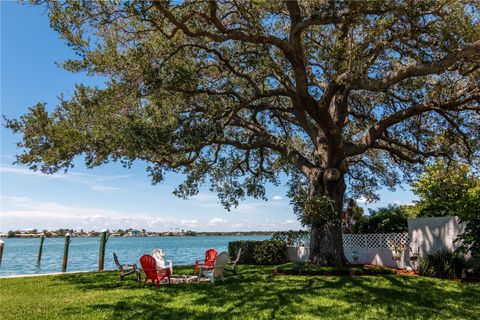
(101, 256)
(65, 252)
(40, 248)
(2, 244)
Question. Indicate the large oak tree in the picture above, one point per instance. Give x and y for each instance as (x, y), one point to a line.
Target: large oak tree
(234, 93)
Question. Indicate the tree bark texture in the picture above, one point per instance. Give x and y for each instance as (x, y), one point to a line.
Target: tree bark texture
(326, 245)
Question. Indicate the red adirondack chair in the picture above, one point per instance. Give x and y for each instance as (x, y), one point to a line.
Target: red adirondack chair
(149, 266)
(208, 262)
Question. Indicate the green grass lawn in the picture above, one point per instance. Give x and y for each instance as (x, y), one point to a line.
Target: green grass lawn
(254, 293)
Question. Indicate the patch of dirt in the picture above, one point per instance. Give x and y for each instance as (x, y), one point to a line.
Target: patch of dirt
(396, 271)
(405, 272)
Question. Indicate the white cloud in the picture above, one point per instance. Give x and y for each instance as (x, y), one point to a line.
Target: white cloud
(25, 172)
(238, 225)
(191, 223)
(216, 221)
(23, 213)
(210, 200)
(260, 207)
(276, 225)
(28, 208)
(15, 199)
(105, 189)
(71, 175)
(92, 181)
(400, 203)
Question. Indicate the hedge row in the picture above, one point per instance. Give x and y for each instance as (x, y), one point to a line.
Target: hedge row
(292, 237)
(259, 252)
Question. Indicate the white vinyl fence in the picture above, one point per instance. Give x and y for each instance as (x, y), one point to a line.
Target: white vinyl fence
(377, 248)
(428, 235)
(398, 250)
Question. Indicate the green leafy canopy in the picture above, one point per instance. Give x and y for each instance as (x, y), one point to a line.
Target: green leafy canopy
(233, 93)
(445, 189)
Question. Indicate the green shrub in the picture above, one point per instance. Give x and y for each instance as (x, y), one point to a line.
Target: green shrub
(299, 268)
(392, 219)
(469, 215)
(441, 264)
(259, 252)
(474, 264)
(247, 251)
(270, 252)
(292, 237)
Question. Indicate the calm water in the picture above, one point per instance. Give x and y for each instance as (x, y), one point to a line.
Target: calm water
(20, 255)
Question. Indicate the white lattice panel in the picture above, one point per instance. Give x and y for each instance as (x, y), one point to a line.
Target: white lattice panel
(354, 241)
(347, 241)
(395, 240)
(375, 240)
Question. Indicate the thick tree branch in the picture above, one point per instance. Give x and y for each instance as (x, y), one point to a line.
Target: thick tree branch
(318, 112)
(276, 144)
(378, 128)
(409, 148)
(416, 70)
(225, 34)
(417, 157)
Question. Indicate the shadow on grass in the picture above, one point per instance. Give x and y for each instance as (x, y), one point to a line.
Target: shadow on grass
(257, 294)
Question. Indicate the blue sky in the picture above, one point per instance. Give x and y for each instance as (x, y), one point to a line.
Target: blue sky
(109, 196)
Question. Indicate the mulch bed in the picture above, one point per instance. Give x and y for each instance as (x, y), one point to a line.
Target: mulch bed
(405, 272)
(394, 270)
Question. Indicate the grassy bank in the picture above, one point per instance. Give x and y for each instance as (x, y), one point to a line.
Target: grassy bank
(255, 293)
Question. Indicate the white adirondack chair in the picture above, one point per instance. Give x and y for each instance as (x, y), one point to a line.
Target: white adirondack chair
(232, 264)
(218, 268)
(159, 255)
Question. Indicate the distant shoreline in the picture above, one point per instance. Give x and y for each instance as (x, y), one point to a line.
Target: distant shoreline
(151, 234)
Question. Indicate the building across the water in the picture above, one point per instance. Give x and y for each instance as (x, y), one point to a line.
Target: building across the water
(134, 233)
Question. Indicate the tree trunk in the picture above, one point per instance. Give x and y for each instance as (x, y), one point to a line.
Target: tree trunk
(326, 245)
